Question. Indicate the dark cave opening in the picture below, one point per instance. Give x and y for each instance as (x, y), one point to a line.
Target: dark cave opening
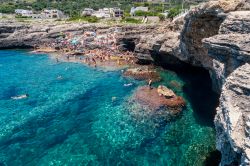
(198, 89)
(21, 47)
(213, 159)
(128, 44)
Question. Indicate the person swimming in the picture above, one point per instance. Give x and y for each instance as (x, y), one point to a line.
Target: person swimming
(59, 77)
(20, 97)
(113, 98)
(126, 85)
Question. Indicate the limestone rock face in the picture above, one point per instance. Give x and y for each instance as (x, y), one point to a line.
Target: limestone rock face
(224, 49)
(236, 22)
(162, 44)
(233, 118)
(215, 37)
(230, 48)
(207, 20)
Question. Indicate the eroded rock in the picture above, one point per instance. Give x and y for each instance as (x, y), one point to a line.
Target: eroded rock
(232, 121)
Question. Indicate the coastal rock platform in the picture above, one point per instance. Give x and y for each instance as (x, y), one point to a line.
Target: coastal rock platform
(143, 73)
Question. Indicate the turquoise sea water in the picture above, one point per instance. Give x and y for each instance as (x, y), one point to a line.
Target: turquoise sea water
(70, 119)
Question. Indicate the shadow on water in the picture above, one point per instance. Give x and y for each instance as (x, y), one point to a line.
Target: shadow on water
(67, 118)
(9, 92)
(213, 159)
(198, 89)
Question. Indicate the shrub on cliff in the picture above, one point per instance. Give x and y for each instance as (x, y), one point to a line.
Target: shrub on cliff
(174, 12)
(7, 8)
(143, 13)
(90, 19)
(161, 17)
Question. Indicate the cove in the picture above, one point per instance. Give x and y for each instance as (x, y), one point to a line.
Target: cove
(69, 117)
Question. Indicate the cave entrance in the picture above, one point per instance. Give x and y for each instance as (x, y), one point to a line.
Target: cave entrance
(128, 44)
(199, 91)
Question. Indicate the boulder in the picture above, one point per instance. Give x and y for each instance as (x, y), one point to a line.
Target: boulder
(150, 97)
(164, 91)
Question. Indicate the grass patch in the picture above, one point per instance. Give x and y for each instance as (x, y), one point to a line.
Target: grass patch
(90, 19)
(130, 20)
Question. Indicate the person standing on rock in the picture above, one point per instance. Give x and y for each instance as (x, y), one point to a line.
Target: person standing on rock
(150, 83)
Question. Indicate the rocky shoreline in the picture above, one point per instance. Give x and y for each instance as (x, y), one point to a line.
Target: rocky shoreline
(215, 36)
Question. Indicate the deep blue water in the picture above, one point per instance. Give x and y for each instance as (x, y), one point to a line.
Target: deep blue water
(69, 118)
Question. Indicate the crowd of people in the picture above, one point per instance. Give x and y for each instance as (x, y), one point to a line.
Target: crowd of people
(90, 47)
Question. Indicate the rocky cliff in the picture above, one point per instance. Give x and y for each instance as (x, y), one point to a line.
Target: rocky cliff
(232, 121)
(229, 51)
(215, 36)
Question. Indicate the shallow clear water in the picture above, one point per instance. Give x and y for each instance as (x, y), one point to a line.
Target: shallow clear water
(69, 118)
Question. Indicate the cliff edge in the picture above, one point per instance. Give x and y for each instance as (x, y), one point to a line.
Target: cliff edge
(215, 36)
(233, 118)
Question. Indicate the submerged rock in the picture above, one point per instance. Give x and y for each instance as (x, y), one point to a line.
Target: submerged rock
(151, 98)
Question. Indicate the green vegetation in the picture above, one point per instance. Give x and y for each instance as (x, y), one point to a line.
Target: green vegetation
(130, 20)
(70, 7)
(161, 17)
(73, 8)
(174, 12)
(90, 19)
(143, 13)
(161, 7)
(18, 16)
(7, 8)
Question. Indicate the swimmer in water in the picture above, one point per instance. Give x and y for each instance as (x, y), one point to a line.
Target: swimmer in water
(126, 85)
(113, 99)
(59, 78)
(20, 97)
